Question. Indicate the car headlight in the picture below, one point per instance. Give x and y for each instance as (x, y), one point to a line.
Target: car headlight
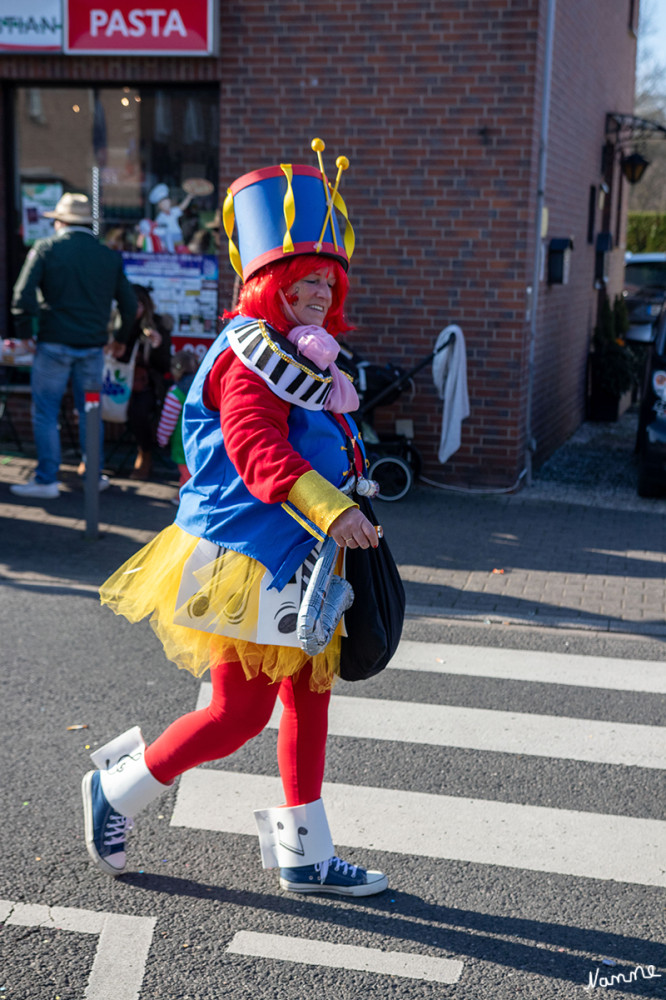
(659, 384)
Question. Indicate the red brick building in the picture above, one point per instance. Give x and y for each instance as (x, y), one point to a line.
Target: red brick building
(438, 105)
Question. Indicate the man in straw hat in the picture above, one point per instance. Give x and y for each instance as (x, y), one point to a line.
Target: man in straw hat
(78, 279)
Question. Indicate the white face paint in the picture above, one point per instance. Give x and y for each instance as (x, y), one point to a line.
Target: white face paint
(314, 295)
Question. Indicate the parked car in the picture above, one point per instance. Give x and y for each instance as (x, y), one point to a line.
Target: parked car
(645, 295)
(651, 433)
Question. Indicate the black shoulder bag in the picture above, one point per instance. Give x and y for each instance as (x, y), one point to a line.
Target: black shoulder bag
(374, 621)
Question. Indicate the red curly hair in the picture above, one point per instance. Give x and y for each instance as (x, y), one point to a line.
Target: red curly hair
(259, 295)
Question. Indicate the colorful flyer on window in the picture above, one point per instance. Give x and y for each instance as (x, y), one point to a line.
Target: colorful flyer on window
(35, 199)
(185, 287)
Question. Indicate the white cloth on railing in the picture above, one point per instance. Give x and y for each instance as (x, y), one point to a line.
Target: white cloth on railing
(449, 372)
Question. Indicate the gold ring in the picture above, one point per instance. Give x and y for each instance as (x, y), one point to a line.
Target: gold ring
(379, 530)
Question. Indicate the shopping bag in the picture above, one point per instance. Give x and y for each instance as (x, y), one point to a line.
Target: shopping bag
(117, 379)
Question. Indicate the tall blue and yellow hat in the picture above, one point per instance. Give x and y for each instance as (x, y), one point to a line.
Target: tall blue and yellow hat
(286, 209)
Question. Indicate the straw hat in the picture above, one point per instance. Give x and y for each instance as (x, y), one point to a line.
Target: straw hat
(73, 209)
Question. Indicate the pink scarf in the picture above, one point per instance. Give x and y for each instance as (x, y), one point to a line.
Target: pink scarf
(319, 346)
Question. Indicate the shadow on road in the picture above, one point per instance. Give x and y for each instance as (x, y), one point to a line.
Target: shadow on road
(545, 950)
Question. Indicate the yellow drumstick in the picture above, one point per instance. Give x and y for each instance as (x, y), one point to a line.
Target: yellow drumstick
(318, 145)
(342, 163)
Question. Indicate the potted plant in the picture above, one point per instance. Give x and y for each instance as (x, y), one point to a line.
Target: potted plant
(613, 365)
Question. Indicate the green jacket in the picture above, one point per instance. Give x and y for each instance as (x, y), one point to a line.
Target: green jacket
(78, 279)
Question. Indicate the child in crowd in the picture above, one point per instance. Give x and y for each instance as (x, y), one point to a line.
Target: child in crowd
(170, 428)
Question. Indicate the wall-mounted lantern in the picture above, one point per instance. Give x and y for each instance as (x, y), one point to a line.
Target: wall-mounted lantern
(634, 166)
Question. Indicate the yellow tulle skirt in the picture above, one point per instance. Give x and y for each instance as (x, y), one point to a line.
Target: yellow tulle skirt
(193, 622)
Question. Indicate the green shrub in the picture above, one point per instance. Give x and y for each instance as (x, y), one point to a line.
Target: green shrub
(646, 232)
(614, 365)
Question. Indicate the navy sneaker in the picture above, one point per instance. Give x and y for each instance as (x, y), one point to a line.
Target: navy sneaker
(335, 876)
(105, 828)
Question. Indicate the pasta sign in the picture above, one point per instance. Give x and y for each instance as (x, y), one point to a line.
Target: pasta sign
(179, 27)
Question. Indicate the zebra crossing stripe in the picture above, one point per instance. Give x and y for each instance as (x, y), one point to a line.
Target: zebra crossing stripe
(562, 841)
(485, 729)
(526, 665)
(308, 951)
(122, 950)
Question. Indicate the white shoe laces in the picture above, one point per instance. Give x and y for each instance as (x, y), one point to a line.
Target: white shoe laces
(323, 866)
(117, 829)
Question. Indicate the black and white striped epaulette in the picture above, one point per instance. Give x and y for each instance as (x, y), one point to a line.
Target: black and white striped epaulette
(290, 375)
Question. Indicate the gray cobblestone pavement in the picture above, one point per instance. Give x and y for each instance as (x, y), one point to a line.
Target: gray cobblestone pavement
(577, 548)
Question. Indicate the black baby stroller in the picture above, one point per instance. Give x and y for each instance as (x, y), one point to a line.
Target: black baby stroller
(394, 459)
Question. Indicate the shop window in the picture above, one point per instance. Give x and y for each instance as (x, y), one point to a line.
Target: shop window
(148, 159)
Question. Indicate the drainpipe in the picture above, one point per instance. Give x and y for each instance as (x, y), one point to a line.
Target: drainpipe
(541, 191)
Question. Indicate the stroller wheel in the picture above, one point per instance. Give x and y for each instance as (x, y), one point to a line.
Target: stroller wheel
(393, 475)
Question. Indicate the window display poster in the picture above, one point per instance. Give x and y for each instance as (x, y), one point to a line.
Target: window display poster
(35, 199)
(30, 25)
(185, 287)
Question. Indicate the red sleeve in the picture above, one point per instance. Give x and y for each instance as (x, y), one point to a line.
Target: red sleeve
(255, 429)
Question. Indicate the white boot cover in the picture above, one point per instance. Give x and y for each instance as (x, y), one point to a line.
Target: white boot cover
(128, 742)
(294, 836)
(127, 783)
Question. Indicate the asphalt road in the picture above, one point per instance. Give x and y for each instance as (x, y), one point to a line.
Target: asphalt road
(498, 930)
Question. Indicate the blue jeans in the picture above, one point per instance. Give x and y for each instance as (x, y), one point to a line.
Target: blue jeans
(52, 368)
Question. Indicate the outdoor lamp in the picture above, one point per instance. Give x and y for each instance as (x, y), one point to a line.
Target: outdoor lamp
(634, 166)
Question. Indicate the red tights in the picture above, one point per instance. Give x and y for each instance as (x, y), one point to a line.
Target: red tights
(239, 710)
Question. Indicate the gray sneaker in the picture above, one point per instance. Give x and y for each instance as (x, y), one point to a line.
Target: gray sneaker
(42, 491)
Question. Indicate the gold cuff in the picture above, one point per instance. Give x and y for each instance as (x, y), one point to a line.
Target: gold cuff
(318, 500)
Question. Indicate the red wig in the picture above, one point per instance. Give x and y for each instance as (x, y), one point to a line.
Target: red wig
(259, 295)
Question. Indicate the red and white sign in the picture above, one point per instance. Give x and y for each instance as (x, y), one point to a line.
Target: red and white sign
(169, 28)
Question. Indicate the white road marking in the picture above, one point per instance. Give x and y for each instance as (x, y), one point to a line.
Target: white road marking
(61, 917)
(524, 665)
(345, 956)
(485, 729)
(564, 841)
(122, 950)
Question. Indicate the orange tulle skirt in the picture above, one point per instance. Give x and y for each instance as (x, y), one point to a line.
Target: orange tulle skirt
(228, 587)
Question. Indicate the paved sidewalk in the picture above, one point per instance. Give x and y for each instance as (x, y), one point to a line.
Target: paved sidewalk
(532, 560)
(577, 549)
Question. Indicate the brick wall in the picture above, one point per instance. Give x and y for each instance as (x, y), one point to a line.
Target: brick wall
(436, 103)
(433, 104)
(593, 73)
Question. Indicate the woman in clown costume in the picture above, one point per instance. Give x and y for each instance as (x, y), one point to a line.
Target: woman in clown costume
(274, 463)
